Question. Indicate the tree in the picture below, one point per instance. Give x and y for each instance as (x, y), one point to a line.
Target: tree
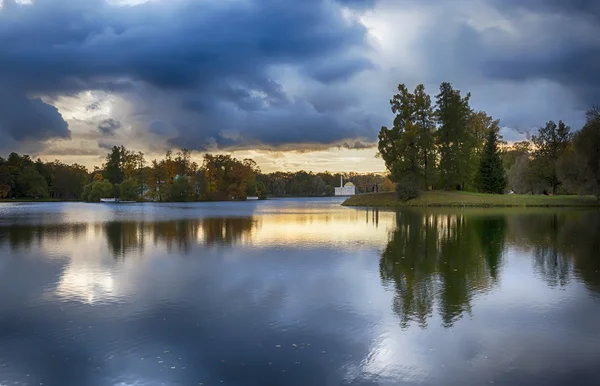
(181, 189)
(551, 143)
(455, 141)
(68, 180)
(261, 190)
(5, 180)
(491, 178)
(278, 187)
(128, 190)
(398, 146)
(424, 117)
(251, 189)
(318, 186)
(480, 125)
(96, 190)
(113, 166)
(32, 184)
(587, 147)
(329, 190)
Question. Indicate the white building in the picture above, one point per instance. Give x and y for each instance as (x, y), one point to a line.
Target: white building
(345, 190)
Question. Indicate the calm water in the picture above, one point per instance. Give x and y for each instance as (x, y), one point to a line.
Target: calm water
(297, 292)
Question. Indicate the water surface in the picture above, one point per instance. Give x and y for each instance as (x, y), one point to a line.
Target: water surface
(297, 292)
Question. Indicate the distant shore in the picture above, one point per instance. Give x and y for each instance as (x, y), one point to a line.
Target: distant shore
(466, 199)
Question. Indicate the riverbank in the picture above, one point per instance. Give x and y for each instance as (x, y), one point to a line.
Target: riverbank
(467, 199)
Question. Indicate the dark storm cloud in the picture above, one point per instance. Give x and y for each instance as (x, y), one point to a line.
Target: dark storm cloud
(24, 118)
(279, 74)
(212, 60)
(109, 126)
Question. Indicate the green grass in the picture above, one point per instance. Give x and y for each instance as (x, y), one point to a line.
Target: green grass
(440, 198)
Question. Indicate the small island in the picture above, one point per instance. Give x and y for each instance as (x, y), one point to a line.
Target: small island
(446, 154)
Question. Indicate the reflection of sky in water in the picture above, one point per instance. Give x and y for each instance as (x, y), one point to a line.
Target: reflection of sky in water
(295, 292)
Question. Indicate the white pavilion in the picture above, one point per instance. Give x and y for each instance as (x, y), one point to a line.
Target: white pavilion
(345, 190)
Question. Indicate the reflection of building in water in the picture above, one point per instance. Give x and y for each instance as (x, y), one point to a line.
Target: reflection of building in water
(345, 190)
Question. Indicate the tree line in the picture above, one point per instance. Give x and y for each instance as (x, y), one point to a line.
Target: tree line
(125, 174)
(453, 147)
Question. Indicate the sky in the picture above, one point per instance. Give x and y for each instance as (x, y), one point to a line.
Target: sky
(293, 84)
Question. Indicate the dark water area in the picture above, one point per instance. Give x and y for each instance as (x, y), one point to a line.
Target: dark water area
(297, 292)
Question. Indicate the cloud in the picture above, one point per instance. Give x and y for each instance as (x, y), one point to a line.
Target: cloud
(109, 126)
(202, 66)
(26, 119)
(311, 74)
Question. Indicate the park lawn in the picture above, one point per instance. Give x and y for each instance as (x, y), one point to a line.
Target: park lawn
(440, 198)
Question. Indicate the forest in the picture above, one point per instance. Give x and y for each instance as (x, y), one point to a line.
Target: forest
(453, 147)
(127, 175)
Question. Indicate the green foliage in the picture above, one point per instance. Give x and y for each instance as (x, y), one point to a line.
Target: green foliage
(491, 178)
(128, 190)
(329, 190)
(261, 190)
(587, 147)
(318, 186)
(112, 168)
(181, 189)
(407, 188)
(251, 189)
(408, 147)
(32, 184)
(96, 190)
(278, 187)
(551, 143)
(455, 141)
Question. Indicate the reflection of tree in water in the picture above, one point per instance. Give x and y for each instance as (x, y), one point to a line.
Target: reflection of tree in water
(23, 235)
(563, 243)
(226, 231)
(443, 260)
(126, 237)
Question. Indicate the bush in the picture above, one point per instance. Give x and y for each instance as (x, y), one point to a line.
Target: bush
(407, 188)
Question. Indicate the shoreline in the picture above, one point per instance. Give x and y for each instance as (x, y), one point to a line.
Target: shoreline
(444, 199)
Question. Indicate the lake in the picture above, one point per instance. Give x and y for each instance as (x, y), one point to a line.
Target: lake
(297, 292)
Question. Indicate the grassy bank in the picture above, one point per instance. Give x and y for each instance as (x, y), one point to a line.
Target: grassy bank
(466, 199)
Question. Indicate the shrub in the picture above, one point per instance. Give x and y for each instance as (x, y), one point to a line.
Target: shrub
(407, 188)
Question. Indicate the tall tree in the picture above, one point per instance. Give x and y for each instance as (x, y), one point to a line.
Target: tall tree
(491, 178)
(455, 140)
(587, 147)
(397, 150)
(425, 120)
(551, 143)
(113, 166)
